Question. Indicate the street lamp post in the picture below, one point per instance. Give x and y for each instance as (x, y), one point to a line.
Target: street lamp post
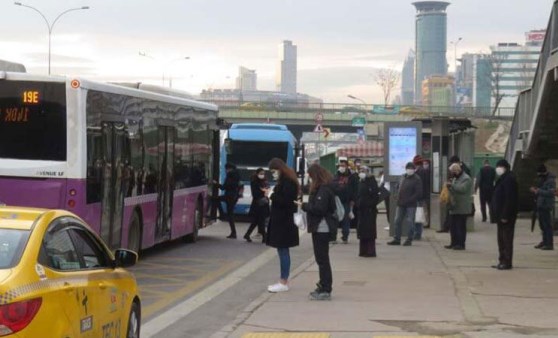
(455, 54)
(165, 65)
(356, 98)
(49, 25)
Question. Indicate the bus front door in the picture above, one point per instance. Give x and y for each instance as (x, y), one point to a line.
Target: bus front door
(114, 139)
(166, 183)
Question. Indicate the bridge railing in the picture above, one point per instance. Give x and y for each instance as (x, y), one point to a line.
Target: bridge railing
(354, 109)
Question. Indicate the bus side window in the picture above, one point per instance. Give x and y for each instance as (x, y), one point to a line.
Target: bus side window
(94, 166)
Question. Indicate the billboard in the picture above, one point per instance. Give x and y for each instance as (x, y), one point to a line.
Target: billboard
(403, 141)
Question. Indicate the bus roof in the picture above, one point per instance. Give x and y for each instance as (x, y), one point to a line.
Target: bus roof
(261, 132)
(111, 88)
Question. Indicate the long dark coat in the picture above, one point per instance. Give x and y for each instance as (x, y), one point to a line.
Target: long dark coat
(282, 232)
(257, 208)
(505, 198)
(367, 199)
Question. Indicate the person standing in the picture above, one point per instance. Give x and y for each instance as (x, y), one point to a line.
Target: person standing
(345, 187)
(424, 175)
(485, 185)
(447, 221)
(231, 188)
(282, 232)
(459, 187)
(259, 209)
(367, 199)
(545, 194)
(504, 211)
(319, 212)
(385, 194)
(410, 191)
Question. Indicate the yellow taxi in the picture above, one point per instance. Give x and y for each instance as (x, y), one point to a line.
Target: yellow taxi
(58, 279)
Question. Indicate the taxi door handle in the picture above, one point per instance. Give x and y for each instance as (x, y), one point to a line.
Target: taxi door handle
(68, 288)
(102, 286)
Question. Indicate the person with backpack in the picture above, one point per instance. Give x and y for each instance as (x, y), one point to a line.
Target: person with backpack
(367, 199)
(410, 192)
(282, 233)
(320, 210)
(259, 209)
(231, 188)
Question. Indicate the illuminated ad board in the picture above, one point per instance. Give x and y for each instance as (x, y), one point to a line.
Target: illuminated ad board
(402, 144)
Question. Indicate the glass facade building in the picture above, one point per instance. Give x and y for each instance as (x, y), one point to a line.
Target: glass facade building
(430, 42)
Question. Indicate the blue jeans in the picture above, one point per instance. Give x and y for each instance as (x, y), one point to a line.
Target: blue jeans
(284, 262)
(545, 222)
(403, 214)
(346, 223)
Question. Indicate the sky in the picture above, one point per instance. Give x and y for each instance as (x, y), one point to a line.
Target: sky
(340, 43)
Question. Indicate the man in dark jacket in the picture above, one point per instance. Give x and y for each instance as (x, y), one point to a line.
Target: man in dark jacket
(485, 184)
(231, 188)
(424, 201)
(410, 192)
(346, 185)
(504, 211)
(545, 194)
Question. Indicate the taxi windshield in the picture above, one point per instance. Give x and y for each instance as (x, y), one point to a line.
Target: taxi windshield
(12, 243)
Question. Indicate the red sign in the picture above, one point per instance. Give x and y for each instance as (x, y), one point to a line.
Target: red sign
(536, 36)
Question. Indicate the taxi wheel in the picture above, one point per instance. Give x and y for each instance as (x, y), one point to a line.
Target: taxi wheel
(134, 234)
(134, 322)
(198, 220)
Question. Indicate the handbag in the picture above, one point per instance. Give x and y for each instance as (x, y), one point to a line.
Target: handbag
(419, 215)
(262, 202)
(300, 219)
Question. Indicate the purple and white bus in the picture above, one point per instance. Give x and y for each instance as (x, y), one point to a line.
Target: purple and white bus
(135, 164)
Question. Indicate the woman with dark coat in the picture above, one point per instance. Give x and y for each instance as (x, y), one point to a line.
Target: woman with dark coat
(259, 209)
(367, 199)
(282, 232)
(319, 214)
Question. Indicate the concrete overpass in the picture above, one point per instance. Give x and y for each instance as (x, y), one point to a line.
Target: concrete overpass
(533, 137)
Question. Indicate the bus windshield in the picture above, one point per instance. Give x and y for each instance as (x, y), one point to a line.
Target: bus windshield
(256, 154)
(32, 120)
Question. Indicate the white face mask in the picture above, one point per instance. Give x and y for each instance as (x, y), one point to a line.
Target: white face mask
(342, 170)
(261, 176)
(425, 166)
(310, 180)
(410, 172)
(362, 175)
(500, 171)
(275, 174)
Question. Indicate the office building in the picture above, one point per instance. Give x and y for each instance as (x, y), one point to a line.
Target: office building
(481, 89)
(514, 66)
(247, 79)
(287, 68)
(438, 91)
(408, 80)
(430, 42)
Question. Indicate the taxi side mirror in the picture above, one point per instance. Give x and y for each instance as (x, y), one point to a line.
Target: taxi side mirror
(125, 258)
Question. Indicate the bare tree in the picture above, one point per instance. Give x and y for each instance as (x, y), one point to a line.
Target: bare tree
(387, 79)
(495, 78)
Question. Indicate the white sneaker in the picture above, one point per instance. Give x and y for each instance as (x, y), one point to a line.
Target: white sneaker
(278, 288)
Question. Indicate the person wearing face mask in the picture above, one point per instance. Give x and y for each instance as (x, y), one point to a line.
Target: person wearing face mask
(259, 209)
(346, 186)
(410, 192)
(459, 186)
(367, 199)
(545, 194)
(282, 233)
(504, 210)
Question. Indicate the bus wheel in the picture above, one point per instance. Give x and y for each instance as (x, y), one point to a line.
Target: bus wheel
(134, 234)
(198, 219)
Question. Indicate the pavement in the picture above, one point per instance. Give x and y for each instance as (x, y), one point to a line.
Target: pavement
(422, 290)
